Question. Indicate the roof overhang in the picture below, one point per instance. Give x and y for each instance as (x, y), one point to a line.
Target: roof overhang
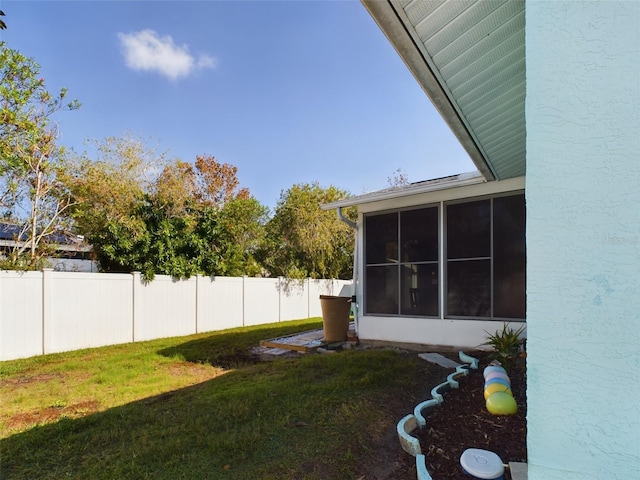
(418, 188)
(469, 57)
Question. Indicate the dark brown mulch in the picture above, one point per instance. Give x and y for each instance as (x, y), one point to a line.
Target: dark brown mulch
(463, 421)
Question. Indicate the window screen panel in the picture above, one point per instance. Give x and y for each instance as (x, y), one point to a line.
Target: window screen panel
(509, 257)
(469, 288)
(419, 289)
(419, 235)
(469, 230)
(381, 238)
(381, 293)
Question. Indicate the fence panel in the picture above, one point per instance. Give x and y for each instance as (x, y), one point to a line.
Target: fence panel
(326, 287)
(294, 299)
(317, 288)
(164, 307)
(261, 303)
(47, 312)
(20, 314)
(84, 310)
(219, 303)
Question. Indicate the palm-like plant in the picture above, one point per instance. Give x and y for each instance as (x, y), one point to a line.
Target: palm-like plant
(506, 343)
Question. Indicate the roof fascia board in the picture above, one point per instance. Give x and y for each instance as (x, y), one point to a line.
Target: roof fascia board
(408, 191)
(390, 22)
(462, 193)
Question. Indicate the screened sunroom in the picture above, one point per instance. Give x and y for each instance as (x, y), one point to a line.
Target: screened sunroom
(440, 262)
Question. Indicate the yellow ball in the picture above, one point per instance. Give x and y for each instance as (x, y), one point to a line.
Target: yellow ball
(501, 403)
(496, 387)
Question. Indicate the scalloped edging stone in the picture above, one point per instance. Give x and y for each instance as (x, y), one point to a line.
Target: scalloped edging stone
(426, 405)
(461, 370)
(437, 397)
(472, 361)
(409, 443)
(421, 468)
(409, 423)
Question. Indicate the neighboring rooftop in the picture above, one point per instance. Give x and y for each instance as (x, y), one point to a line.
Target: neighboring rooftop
(12, 234)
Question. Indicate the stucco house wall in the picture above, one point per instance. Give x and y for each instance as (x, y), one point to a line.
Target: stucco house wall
(416, 331)
(583, 239)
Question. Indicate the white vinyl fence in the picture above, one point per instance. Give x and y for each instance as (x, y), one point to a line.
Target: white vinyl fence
(50, 311)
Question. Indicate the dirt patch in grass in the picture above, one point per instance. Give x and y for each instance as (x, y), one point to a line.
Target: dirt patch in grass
(197, 371)
(30, 379)
(51, 414)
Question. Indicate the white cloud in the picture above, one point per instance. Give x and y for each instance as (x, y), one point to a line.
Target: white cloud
(146, 50)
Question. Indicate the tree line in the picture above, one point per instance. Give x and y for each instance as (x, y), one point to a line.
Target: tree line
(142, 212)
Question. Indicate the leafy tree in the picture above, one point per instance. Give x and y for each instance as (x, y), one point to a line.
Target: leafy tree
(187, 219)
(30, 160)
(217, 183)
(202, 240)
(110, 188)
(304, 241)
(180, 246)
(207, 182)
(223, 226)
(242, 231)
(176, 187)
(121, 244)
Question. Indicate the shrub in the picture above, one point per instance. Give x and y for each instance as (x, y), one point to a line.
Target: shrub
(506, 343)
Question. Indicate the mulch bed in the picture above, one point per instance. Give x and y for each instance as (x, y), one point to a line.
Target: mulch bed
(463, 422)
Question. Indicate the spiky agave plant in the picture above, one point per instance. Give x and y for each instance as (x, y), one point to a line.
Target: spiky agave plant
(506, 343)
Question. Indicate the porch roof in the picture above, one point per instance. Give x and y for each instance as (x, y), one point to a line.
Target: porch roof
(469, 57)
(417, 188)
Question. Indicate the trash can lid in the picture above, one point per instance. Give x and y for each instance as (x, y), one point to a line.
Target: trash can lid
(333, 297)
(481, 463)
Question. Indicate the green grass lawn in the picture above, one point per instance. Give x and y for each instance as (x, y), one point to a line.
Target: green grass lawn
(200, 407)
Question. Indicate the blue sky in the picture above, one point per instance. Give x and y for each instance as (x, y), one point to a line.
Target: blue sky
(287, 91)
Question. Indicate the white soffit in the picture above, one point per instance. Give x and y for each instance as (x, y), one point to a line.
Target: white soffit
(469, 57)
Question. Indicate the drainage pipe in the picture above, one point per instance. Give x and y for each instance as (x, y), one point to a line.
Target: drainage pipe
(354, 299)
(346, 220)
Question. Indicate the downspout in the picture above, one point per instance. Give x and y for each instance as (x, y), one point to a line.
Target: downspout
(354, 300)
(346, 220)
